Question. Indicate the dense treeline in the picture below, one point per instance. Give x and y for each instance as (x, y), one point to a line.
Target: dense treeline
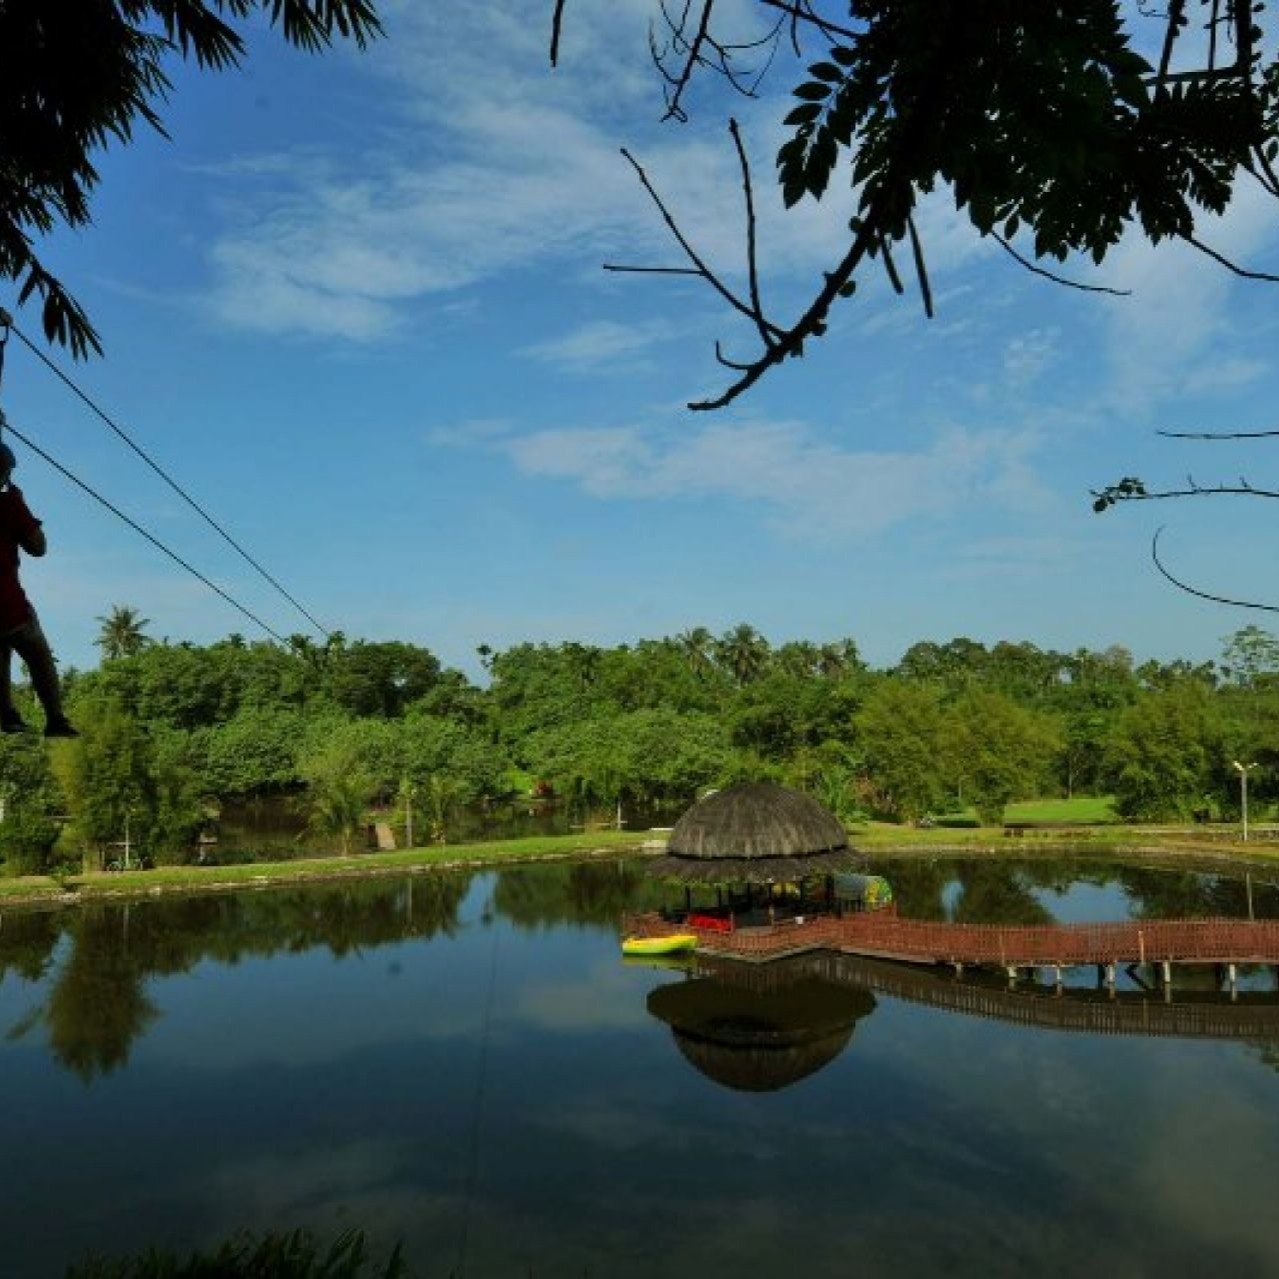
(168, 730)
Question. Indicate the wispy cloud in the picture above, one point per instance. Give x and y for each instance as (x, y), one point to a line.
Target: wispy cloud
(1176, 333)
(598, 344)
(805, 487)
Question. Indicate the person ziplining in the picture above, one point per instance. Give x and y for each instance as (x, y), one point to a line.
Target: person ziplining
(20, 630)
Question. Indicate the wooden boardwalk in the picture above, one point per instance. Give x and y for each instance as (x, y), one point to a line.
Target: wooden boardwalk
(880, 934)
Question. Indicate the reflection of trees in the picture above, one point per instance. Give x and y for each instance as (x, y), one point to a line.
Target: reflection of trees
(1187, 895)
(997, 893)
(27, 939)
(97, 1004)
(575, 893)
(918, 886)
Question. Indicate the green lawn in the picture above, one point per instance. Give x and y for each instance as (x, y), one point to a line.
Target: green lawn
(196, 878)
(1086, 810)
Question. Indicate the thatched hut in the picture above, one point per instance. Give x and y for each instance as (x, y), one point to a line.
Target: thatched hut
(755, 833)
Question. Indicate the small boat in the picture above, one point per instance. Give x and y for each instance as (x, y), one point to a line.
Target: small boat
(671, 944)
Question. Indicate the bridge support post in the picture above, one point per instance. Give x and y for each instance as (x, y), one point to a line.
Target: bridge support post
(959, 968)
(1057, 971)
(1166, 969)
(1110, 977)
(1012, 976)
(1233, 974)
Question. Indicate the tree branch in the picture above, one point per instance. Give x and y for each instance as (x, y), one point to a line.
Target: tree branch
(1049, 275)
(557, 21)
(701, 267)
(803, 13)
(1203, 595)
(1227, 263)
(1218, 435)
(751, 264)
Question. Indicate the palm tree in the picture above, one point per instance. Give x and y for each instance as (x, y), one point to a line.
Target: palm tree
(697, 645)
(744, 652)
(122, 633)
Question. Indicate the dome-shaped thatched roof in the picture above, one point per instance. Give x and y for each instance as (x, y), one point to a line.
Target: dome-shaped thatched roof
(756, 831)
(760, 1040)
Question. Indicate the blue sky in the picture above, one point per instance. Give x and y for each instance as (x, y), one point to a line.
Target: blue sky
(356, 305)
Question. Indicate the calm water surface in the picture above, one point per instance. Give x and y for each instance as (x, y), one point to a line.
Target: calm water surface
(466, 1065)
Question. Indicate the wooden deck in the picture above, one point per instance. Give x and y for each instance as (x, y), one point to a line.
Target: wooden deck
(886, 936)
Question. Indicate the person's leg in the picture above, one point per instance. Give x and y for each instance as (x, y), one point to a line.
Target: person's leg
(30, 644)
(10, 720)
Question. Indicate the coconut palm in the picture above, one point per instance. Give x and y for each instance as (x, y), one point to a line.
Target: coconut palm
(697, 645)
(744, 652)
(122, 633)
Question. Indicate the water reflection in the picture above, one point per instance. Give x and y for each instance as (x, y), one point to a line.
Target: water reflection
(418, 1054)
(91, 966)
(95, 1004)
(760, 1028)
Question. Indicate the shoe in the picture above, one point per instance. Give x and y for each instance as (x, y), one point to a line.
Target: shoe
(60, 726)
(12, 722)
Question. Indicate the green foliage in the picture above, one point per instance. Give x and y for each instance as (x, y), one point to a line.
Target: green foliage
(901, 728)
(1165, 751)
(114, 781)
(999, 751)
(338, 793)
(27, 837)
(293, 1255)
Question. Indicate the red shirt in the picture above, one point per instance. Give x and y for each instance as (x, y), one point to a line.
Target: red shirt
(17, 525)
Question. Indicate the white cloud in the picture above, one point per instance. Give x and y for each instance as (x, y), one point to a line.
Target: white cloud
(1028, 354)
(484, 162)
(1175, 332)
(810, 489)
(598, 343)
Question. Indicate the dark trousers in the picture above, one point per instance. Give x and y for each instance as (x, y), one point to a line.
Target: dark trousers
(29, 643)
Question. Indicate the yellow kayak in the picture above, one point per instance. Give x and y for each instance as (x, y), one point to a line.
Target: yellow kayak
(672, 944)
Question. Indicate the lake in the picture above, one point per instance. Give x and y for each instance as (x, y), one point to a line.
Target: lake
(463, 1063)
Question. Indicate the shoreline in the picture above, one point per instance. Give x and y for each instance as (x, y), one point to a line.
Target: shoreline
(1170, 849)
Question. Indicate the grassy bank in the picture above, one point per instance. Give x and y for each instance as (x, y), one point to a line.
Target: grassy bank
(1191, 843)
(197, 879)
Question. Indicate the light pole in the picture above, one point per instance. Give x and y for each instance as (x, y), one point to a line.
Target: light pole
(1244, 770)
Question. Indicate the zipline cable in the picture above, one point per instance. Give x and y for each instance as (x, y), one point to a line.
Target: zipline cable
(173, 484)
(137, 528)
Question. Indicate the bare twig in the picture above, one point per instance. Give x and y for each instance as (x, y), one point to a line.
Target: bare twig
(557, 21)
(1050, 275)
(751, 264)
(702, 268)
(1228, 264)
(803, 13)
(693, 50)
(1242, 489)
(1218, 435)
(1203, 595)
(651, 270)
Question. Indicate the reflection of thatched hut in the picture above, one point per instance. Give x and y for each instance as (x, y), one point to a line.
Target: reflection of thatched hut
(755, 832)
(760, 1036)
